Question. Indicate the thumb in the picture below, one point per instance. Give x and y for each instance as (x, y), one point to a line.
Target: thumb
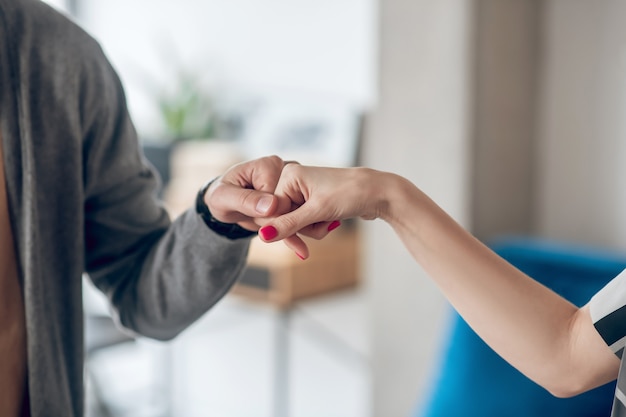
(257, 203)
(232, 204)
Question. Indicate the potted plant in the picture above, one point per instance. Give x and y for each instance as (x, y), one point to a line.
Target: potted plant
(187, 110)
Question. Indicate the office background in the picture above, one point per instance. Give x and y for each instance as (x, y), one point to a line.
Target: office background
(510, 114)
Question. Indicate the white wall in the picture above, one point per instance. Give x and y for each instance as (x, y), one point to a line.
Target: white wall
(321, 47)
(58, 4)
(582, 149)
(574, 145)
(420, 130)
(507, 52)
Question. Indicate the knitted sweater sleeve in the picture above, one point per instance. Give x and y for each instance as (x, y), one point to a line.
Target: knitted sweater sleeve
(159, 276)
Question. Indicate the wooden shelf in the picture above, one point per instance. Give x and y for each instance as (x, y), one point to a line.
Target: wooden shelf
(277, 276)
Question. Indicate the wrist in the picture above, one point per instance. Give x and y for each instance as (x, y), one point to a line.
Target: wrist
(398, 199)
(229, 230)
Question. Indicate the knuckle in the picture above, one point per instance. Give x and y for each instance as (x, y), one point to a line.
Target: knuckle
(274, 160)
(246, 198)
(290, 223)
(292, 170)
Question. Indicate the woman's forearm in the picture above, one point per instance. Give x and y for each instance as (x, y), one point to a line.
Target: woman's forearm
(537, 331)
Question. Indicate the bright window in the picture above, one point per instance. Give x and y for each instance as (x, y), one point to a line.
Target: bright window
(58, 4)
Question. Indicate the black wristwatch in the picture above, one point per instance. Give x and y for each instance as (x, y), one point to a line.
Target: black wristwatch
(230, 230)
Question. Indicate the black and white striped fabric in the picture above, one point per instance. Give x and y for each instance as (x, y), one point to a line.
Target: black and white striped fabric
(608, 312)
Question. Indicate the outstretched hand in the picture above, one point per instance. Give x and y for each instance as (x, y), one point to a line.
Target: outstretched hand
(313, 201)
(287, 200)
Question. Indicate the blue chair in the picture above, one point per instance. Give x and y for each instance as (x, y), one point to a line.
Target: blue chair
(473, 381)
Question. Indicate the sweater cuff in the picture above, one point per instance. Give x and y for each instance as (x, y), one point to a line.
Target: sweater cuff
(229, 230)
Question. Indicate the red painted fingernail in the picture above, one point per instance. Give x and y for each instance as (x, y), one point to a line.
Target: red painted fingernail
(334, 225)
(300, 256)
(268, 232)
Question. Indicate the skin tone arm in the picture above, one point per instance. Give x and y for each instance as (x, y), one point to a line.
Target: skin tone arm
(541, 334)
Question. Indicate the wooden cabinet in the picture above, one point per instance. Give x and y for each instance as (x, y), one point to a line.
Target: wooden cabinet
(276, 275)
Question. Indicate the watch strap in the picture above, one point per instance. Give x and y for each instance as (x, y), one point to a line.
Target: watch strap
(230, 230)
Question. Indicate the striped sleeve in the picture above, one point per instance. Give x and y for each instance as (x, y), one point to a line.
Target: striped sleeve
(608, 313)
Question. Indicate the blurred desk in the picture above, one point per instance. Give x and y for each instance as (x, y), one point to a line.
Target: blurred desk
(277, 276)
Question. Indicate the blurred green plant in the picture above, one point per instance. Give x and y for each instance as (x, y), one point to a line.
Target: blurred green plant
(188, 111)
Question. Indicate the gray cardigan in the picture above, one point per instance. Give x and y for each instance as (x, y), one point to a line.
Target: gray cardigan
(81, 198)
